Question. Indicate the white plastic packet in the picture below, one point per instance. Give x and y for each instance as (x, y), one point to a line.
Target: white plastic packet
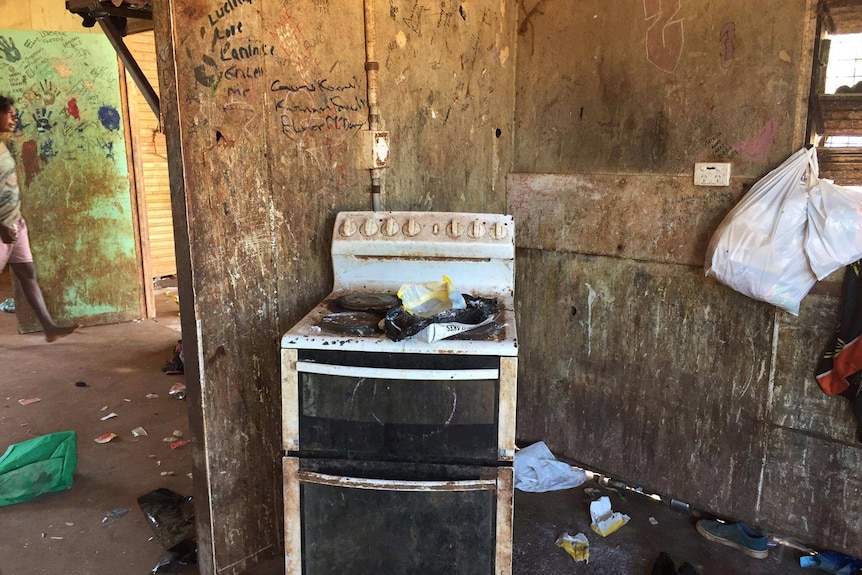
(604, 519)
(438, 331)
(537, 470)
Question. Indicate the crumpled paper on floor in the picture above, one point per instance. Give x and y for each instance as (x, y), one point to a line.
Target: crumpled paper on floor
(605, 519)
(537, 470)
(578, 546)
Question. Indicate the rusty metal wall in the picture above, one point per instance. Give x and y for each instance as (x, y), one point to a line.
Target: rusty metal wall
(631, 361)
(264, 132)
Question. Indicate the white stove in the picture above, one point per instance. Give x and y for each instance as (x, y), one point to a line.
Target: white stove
(401, 451)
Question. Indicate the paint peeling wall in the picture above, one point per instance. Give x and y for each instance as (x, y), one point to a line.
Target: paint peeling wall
(264, 132)
(73, 174)
(631, 361)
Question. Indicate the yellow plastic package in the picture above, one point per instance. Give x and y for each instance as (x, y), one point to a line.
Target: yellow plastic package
(429, 299)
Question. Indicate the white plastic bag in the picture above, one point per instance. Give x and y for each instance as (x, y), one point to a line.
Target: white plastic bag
(537, 470)
(758, 248)
(834, 237)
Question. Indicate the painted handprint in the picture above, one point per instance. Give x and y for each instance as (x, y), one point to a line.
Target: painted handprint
(49, 92)
(42, 117)
(9, 50)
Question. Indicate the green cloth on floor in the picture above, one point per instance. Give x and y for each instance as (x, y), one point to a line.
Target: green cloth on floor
(36, 466)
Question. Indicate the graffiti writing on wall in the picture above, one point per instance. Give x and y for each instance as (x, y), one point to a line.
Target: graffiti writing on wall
(69, 144)
(664, 37)
(67, 101)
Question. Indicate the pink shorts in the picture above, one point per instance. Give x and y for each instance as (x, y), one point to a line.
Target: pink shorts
(19, 252)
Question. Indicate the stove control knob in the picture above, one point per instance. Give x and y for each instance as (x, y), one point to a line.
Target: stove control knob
(390, 227)
(498, 231)
(348, 228)
(476, 230)
(369, 227)
(455, 229)
(412, 228)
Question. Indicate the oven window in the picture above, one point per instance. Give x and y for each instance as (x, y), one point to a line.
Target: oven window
(391, 532)
(442, 421)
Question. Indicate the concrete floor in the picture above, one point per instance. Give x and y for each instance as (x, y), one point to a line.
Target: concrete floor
(62, 532)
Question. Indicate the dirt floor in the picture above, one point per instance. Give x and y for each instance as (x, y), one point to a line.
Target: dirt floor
(62, 533)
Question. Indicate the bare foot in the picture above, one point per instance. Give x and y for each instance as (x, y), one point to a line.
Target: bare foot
(55, 333)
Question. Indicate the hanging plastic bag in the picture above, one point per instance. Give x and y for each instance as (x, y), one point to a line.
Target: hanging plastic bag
(834, 238)
(758, 248)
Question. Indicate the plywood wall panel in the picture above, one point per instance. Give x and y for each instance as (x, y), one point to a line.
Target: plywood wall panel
(811, 489)
(447, 95)
(272, 99)
(647, 371)
(652, 87)
(227, 229)
(642, 217)
(798, 402)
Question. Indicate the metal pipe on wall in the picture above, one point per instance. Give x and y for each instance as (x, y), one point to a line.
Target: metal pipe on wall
(371, 69)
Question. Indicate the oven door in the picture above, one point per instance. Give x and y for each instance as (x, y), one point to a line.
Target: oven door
(372, 521)
(397, 407)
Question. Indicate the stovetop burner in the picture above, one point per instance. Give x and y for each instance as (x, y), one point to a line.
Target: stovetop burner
(359, 323)
(368, 301)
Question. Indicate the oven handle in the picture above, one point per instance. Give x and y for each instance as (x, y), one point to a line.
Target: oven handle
(395, 485)
(389, 373)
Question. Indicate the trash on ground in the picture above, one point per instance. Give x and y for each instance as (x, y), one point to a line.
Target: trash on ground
(152, 395)
(578, 546)
(537, 470)
(170, 439)
(832, 562)
(109, 416)
(36, 466)
(113, 516)
(8, 305)
(593, 493)
(178, 391)
(29, 401)
(400, 322)
(104, 408)
(604, 519)
(179, 443)
(664, 565)
(139, 432)
(177, 557)
(177, 433)
(171, 517)
(653, 521)
(129, 400)
(105, 438)
(176, 365)
(164, 473)
(80, 384)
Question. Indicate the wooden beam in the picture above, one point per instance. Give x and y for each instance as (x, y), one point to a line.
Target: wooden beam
(138, 201)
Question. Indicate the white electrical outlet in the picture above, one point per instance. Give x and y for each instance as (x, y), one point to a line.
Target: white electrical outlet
(712, 174)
